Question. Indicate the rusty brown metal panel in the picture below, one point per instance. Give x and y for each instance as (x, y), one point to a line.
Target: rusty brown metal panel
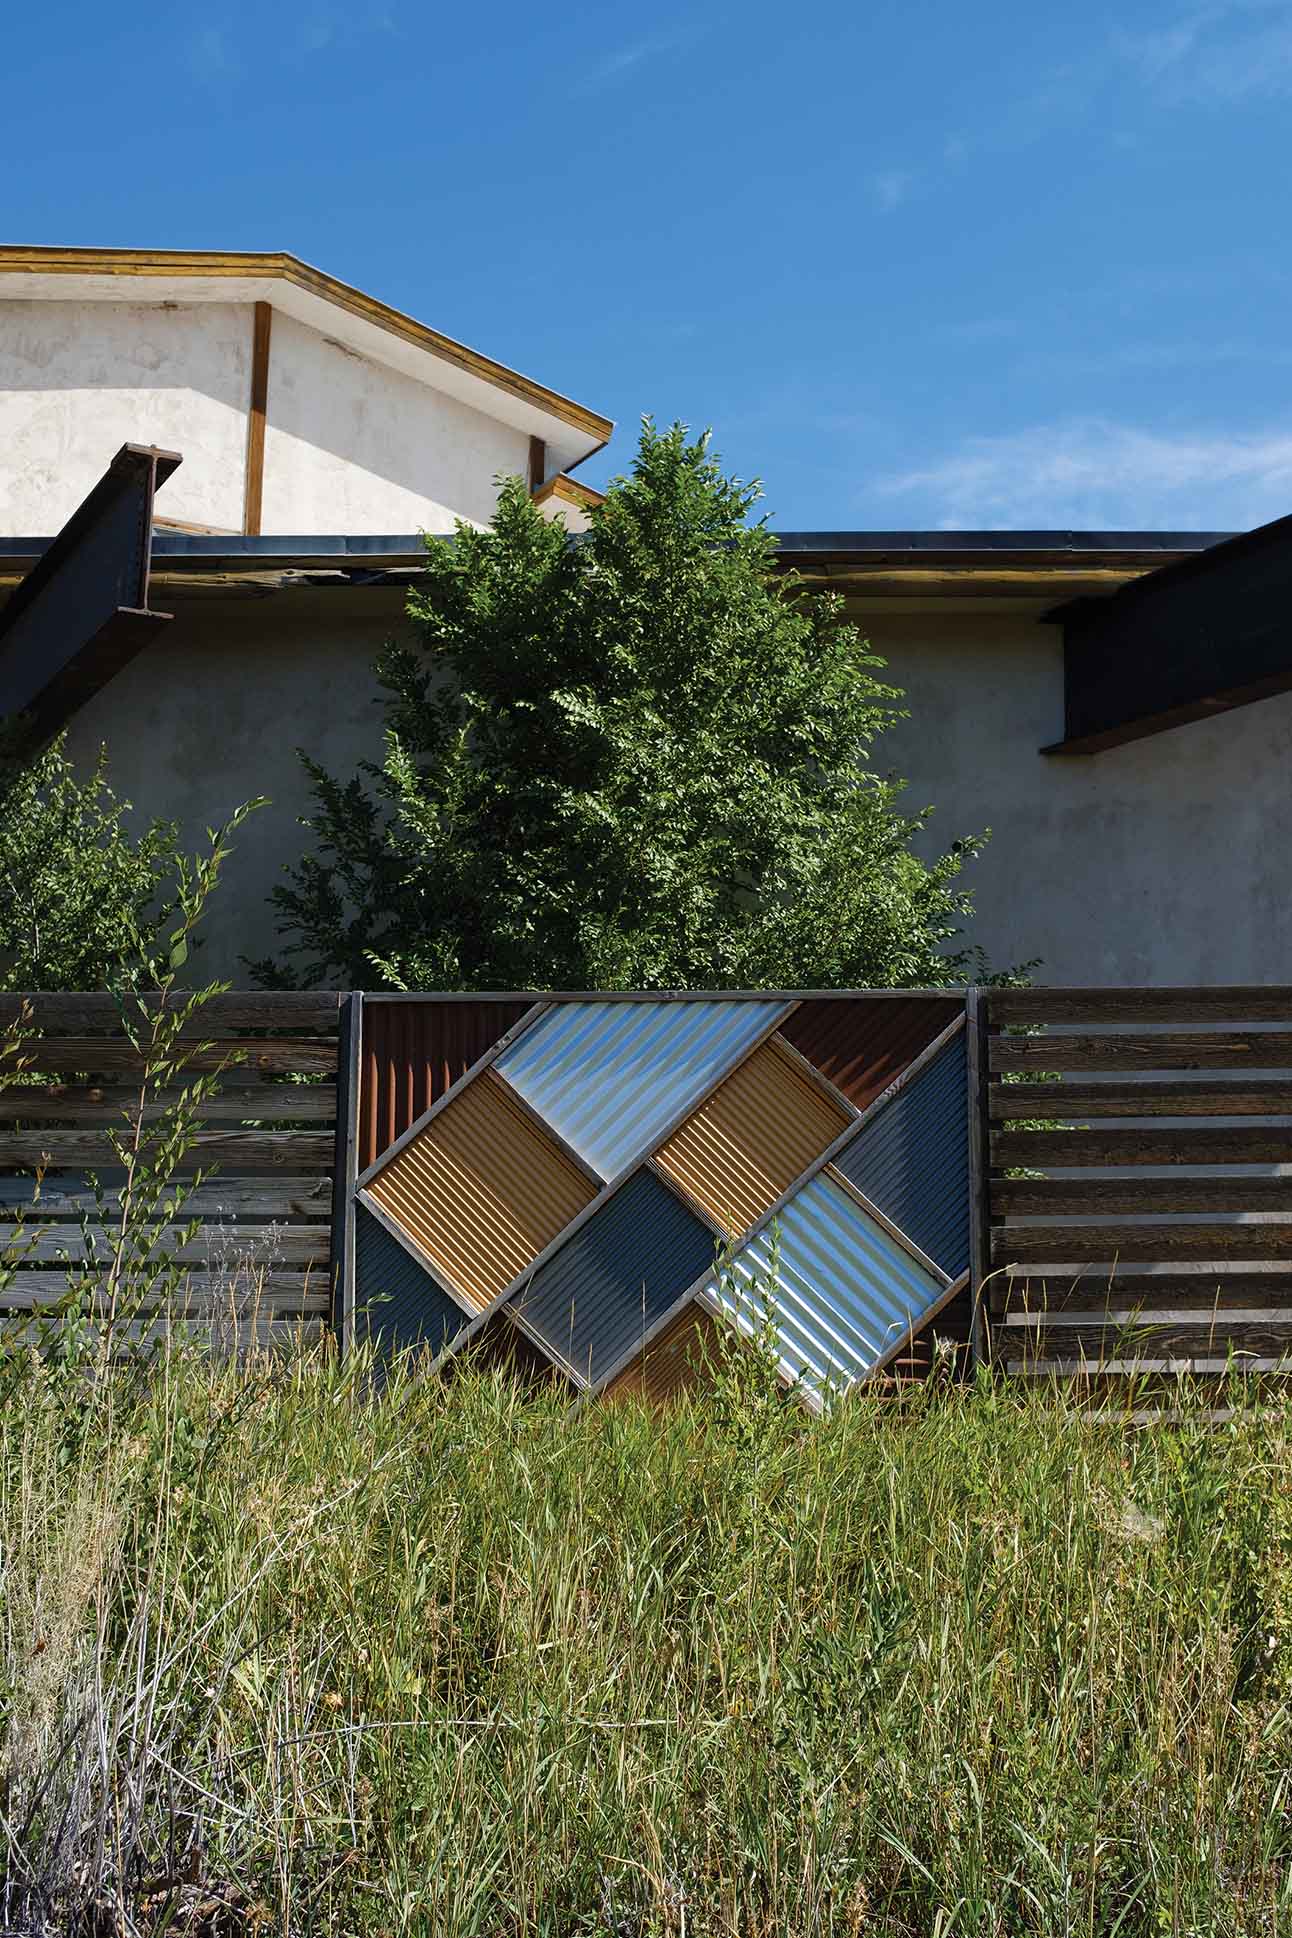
(861, 1045)
(481, 1190)
(749, 1140)
(413, 1053)
(679, 1360)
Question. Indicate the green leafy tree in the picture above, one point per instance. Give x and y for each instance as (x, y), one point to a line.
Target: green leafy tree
(78, 888)
(638, 759)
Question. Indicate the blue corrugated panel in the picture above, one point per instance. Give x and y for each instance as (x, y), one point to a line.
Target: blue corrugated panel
(841, 1292)
(610, 1077)
(620, 1272)
(912, 1159)
(396, 1301)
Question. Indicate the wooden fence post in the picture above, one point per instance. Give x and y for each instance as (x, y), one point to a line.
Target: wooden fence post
(345, 1166)
(977, 1010)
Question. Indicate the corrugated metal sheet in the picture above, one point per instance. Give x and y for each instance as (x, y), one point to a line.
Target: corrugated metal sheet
(481, 1190)
(679, 1360)
(396, 1302)
(412, 1053)
(864, 1043)
(912, 1159)
(616, 1276)
(611, 1076)
(842, 1292)
(747, 1142)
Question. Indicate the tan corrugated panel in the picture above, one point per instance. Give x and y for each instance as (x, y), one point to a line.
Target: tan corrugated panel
(481, 1190)
(748, 1142)
(679, 1360)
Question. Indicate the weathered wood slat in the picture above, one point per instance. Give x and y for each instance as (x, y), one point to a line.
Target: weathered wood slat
(305, 1152)
(279, 1293)
(102, 1054)
(111, 1104)
(1236, 1144)
(1131, 1291)
(1076, 1197)
(307, 1009)
(1101, 1343)
(1193, 1005)
(220, 1201)
(1062, 1245)
(1236, 1098)
(301, 1243)
(1225, 1050)
(264, 1332)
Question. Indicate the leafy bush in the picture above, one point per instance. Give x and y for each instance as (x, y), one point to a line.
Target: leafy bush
(636, 759)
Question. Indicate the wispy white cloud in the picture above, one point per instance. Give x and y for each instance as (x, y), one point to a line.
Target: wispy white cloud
(889, 188)
(617, 64)
(208, 56)
(1095, 473)
(1231, 51)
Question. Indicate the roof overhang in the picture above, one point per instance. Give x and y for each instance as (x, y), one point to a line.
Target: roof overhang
(359, 322)
(885, 570)
(1200, 636)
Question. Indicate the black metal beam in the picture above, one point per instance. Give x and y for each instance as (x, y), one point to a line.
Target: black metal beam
(1195, 638)
(82, 612)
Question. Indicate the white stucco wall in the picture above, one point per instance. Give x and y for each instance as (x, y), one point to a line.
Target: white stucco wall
(80, 379)
(1163, 861)
(353, 446)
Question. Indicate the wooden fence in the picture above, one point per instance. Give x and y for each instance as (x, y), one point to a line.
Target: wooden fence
(1140, 1189)
(1130, 1175)
(260, 1262)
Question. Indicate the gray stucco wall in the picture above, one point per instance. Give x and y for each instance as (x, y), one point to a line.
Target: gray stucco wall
(1169, 860)
(1165, 861)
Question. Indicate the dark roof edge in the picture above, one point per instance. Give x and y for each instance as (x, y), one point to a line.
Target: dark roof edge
(838, 544)
(218, 545)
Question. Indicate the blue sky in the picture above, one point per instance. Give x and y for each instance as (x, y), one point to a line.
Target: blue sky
(918, 265)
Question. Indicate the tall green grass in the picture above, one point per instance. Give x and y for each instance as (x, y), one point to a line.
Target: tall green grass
(286, 1651)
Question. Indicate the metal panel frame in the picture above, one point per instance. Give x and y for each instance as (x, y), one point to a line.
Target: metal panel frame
(912, 1070)
(344, 1199)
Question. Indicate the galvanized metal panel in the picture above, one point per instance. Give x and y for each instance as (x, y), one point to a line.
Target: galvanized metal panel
(413, 1053)
(481, 1190)
(840, 1291)
(611, 1077)
(912, 1159)
(862, 1044)
(746, 1143)
(397, 1303)
(679, 1360)
(614, 1277)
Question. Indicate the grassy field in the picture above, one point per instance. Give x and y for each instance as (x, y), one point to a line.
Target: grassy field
(284, 1654)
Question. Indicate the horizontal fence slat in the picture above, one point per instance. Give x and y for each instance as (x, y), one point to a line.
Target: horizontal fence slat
(221, 1200)
(308, 1009)
(1019, 1300)
(1068, 1245)
(235, 1151)
(265, 1331)
(278, 1293)
(1193, 1005)
(1225, 1050)
(112, 1104)
(1239, 1144)
(288, 1242)
(1217, 1098)
(1178, 1341)
(1043, 1197)
(102, 1054)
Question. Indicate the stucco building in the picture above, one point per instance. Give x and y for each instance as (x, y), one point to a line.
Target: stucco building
(1134, 780)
